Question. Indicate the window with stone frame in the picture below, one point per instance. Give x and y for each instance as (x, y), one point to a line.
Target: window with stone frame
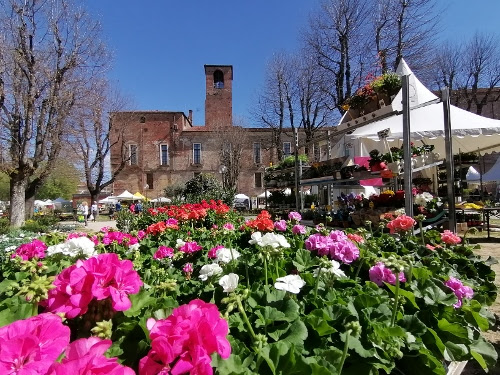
(257, 157)
(196, 153)
(218, 79)
(149, 181)
(164, 154)
(132, 154)
(287, 149)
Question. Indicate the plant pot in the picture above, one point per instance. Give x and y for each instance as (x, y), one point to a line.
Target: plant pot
(353, 113)
(395, 167)
(383, 100)
(371, 106)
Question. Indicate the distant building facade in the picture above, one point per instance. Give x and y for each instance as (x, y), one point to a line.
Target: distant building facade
(166, 149)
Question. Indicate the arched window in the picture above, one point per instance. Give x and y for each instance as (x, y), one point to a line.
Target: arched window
(218, 79)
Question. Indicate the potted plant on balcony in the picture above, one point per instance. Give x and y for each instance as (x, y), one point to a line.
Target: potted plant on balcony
(376, 163)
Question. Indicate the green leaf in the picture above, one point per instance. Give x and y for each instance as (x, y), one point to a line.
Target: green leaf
(303, 260)
(268, 315)
(455, 329)
(483, 352)
(457, 352)
(14, 308)
(413, 324)
(318, 320)
(405, 293)
(139, 301)
(297, 333)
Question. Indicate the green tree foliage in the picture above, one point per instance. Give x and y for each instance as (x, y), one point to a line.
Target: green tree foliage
(4, 187)
(62, 182)
(206, 187)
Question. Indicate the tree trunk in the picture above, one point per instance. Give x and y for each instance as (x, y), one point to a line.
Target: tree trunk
(29, 207)
(17, 202)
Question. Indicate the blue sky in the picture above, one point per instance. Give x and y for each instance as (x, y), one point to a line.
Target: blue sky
(160, 46)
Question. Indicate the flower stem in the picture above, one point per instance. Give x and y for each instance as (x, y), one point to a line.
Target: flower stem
(344, 353)
(277, 268)
(265, 270)
(421, 232)
(245, 318)
(317, 284)
(361, 261)
(396, 301)
(34, 309)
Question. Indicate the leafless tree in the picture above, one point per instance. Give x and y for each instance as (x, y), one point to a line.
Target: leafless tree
(354, 39)
(48, 50)
(336, 37)
(90, 137)
(272, 103)
(470, 70)
(230, 143)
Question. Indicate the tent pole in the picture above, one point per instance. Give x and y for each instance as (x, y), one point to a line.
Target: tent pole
(407, 147)
(450, 168)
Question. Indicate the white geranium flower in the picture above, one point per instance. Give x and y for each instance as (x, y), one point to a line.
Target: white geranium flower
(269, 239)
(290, 283)
(256, 239)
(229, 282)
(133, 248)
(423, 198)
(334, 269)
(209, 270)
(11, 248)
(73, 247)
(179, 243)
(225, 255)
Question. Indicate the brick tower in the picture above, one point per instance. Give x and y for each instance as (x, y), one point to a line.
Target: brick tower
(219, 95)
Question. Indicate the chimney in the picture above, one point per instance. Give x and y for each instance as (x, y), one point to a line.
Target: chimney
(190, 116)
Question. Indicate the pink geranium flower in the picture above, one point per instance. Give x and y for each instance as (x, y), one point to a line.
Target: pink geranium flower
(355, 238)
(190, 247)
(294, 216)
(188, 268)
(86, 356)
(185, 341)
(100, 277)
(163, 252)
(228, 226)
(402, 223)
(461, 291)
(299, 229)
(33, 249)
(380, 274)
(212, 253)
(280, 225)
(30, 346)
(450, 238)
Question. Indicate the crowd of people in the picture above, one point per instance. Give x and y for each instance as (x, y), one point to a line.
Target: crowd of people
(86, 214)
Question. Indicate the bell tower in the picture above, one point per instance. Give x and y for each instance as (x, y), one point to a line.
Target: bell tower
(219, 95)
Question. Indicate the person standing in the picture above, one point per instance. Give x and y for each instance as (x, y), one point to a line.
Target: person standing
(84, 210)
(94, 209)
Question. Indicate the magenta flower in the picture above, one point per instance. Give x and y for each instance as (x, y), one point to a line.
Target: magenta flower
(338, 235)
(100, 277)
(212, 253)
(319, 243)
(33, 249)
(30, 346)
(86, 356)
(163, 252)
(299, 229)
(228, 226)
(185, 341)
(380, 274)
(72, 293)
(75, 235)
(188, 268)
(141, 234)
(344, 251)
(461, 291)
(280, 225)
(190, 247)
(294, 216)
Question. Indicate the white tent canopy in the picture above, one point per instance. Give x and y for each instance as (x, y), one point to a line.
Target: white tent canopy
(472, 174)
(108, 200)
(470, 132)
(241, 196)
(161, 200)
(126, 195)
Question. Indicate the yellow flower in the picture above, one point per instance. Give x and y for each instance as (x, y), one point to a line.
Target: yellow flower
(389, 192)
